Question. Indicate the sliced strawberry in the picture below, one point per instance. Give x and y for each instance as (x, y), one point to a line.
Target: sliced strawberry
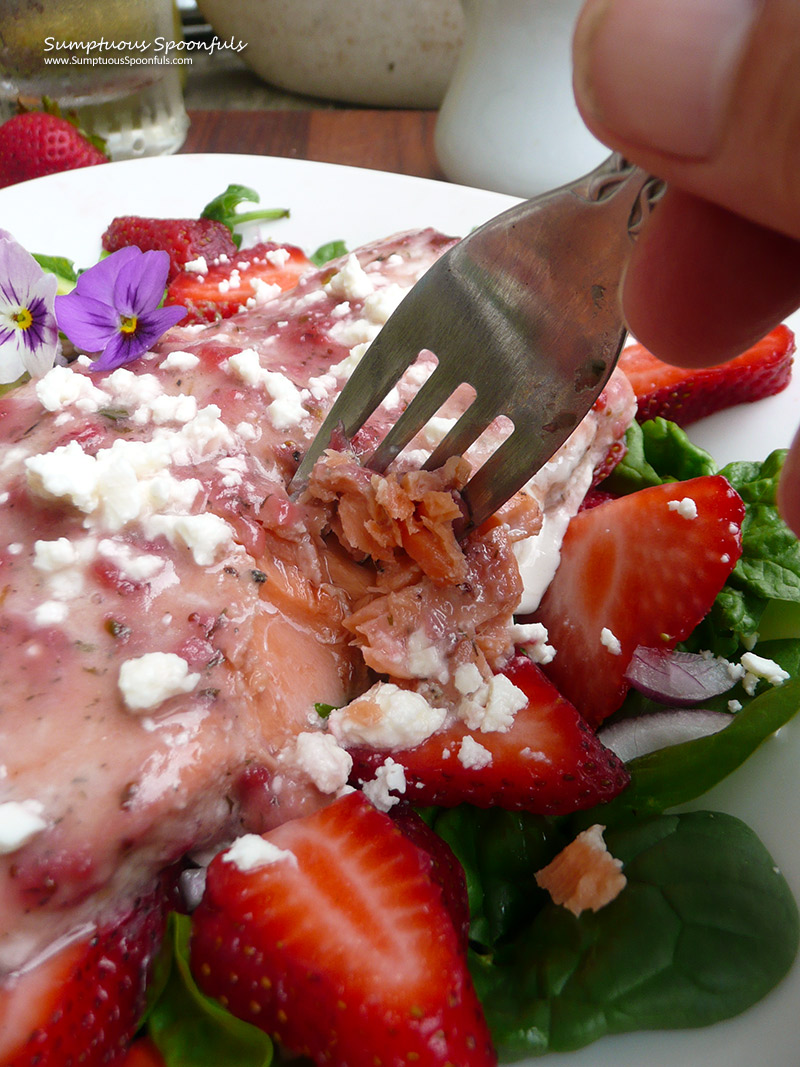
(186, 240)
(445, 868)
(686, 394)
(343, 949)
(549, 762)
(640, 570)
(242, 282)
(83, 1004)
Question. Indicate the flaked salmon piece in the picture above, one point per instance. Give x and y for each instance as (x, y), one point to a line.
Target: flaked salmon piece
(169, 617)
(395, 517)
(584, 876)
(421, 632)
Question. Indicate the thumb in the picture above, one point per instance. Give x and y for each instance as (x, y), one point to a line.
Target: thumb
(703, 93)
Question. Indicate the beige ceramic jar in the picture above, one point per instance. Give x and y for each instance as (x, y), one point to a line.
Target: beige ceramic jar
(389, 53)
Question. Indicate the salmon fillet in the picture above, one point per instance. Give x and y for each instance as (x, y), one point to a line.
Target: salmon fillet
(169, 617)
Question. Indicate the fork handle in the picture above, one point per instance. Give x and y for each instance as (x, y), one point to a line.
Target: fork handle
(609, 179)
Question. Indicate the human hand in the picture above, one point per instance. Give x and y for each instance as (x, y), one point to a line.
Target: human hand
(706, 94)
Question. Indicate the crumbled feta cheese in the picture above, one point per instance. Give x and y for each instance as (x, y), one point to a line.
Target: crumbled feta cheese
(472, 755)
(62, 387)
(350, 282)
(247, 431)
(286, 409)
(378, 306)
(263, 290)
(686, 508)
(425, 659)
(20, 821)
(532, 637)
(204, 535)
(129, 389)
(196, 266)
(345, 367)
(467, 678)
(200, 436)
(138, 566)
(610, 641)
(167, 408)
(758, 668)
(386, 716)
(278, 257)
(50, 613)
(54, 555)
(180, 361)
(492, 707)
(149, 680)
(436, 429)
(389, 777)
(326, 763)
(249, 852)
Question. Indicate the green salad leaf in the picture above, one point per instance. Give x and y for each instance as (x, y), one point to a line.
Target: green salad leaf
(657, 451)
(63, 268)
(225, 209)
(191, 1029)
(705, 927)
(325, 253)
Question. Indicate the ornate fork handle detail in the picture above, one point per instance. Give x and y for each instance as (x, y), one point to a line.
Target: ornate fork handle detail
(611, 177)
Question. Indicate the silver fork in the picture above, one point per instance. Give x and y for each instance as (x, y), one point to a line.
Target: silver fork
(525, 310)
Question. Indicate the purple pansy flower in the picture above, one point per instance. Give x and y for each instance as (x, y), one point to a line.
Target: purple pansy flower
(28, 332)
(113, 310)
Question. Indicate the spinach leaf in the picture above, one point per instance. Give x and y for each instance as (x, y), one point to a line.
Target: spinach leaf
(192, 1030)
(499, 850)
(770, 563)
(705, 927)
(325, 253)
(767, 574)
(657, 451)
(224, 209)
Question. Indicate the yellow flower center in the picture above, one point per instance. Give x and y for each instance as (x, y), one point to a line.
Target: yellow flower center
(22, 319)
(127, 324)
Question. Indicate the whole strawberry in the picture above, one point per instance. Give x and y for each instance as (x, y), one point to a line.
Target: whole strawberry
(36, 143)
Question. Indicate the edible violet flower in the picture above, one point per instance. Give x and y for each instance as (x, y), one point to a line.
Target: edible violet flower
(113, 309)
(28, 332)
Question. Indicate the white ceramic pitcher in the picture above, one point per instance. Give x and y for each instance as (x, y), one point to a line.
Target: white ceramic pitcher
(509, 121)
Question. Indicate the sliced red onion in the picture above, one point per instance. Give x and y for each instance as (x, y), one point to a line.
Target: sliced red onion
(659, 729)
(678, 678)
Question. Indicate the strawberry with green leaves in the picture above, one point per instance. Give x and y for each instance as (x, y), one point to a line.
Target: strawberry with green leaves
(36, 143)
(209, 275)
(330, 934)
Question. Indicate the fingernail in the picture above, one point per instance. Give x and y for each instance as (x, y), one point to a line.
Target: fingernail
(660, 73)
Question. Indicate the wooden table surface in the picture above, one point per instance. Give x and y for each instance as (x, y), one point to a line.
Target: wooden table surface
(393, 140)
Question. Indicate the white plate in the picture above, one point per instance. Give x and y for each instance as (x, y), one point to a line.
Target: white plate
(66, 213)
